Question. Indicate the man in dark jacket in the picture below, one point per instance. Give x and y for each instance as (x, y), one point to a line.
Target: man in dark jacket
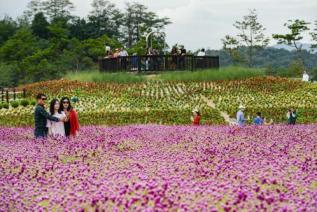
(41, 116)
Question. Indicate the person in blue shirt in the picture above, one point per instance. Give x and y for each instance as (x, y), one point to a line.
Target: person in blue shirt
(258, 120)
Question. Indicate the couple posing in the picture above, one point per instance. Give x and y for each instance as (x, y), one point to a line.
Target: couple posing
(62, 121)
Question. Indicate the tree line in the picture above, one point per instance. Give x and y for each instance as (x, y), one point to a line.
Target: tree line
(47, 40)
(251, 40)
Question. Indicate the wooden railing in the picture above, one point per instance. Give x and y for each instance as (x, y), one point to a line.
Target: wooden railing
(158, 63)
(7, 94)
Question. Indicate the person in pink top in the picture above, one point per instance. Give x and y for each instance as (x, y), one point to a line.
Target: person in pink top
(56, 129)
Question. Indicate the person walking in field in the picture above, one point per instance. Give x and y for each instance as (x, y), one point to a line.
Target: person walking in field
(196, 117)
(240, 116)
(292, 117)
(41, 116)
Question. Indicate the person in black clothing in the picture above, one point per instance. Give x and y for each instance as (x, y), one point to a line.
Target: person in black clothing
(41, 116)
(182, 58)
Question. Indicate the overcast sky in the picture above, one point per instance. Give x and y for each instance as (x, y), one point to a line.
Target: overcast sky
(202, 23)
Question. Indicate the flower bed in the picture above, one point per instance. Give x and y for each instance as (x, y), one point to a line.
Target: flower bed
(172, 102)
(159, 168)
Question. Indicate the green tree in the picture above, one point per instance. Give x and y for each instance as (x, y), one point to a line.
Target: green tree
(105, 18)
(57, 8)
(297, 28)
(79, 28)
(34, 7)
(59, 37)
(7, 28)
(138, 21)
(19, 46)
(75, 57)
(231, 45)
(95, 48)
(40, 26)
(251, 34)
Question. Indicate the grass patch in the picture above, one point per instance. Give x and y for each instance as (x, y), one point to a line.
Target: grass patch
(98, 77)
(227, 73)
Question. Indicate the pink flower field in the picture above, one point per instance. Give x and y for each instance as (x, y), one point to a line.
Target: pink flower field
(161, 168)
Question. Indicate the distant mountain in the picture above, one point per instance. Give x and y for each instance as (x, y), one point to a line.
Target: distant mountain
(269, 57)
(306, 47)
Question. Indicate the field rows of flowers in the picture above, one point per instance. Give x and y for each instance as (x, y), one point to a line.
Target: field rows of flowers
(161, 168)
(271, 96)
(172, 102)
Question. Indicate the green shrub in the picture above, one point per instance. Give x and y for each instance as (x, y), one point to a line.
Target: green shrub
(1, 106)
(15, 104)
(24, 102)
(33, 102)
(5, 105)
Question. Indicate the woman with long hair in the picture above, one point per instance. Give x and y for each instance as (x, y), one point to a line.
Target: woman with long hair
(56, 129)
(72, 124)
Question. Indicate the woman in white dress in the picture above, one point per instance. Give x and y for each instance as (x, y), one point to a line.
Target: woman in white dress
(56, 129)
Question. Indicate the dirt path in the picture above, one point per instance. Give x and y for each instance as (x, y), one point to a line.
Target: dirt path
(225, 115)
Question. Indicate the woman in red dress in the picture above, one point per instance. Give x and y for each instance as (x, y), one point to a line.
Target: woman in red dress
(72, 125)
(196, 117)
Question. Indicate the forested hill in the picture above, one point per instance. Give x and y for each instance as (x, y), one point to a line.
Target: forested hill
(270, 57)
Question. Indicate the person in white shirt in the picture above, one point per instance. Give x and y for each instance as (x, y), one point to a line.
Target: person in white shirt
(123, 53)
(305, 77)
(56, 129)
(240, 116)
(201, 53)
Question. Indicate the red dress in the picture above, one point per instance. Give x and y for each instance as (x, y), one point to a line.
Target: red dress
(74, 123)
(196, 120)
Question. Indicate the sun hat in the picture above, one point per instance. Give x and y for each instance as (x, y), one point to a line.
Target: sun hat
(241, 107)
(195, 110)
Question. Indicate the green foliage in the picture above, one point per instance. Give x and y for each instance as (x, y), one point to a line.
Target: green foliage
(1, 105)
(40, 26)
(297, 68)
(7, 29)
(33, 103)
(24, 102)
(105, 18)
(57, 8)
(297, 28)
(137, 21)
(251, 35)
(5, 105)
(15, 104)
(19, 46)
(8, 77)
(95, 48)
(228, 73)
